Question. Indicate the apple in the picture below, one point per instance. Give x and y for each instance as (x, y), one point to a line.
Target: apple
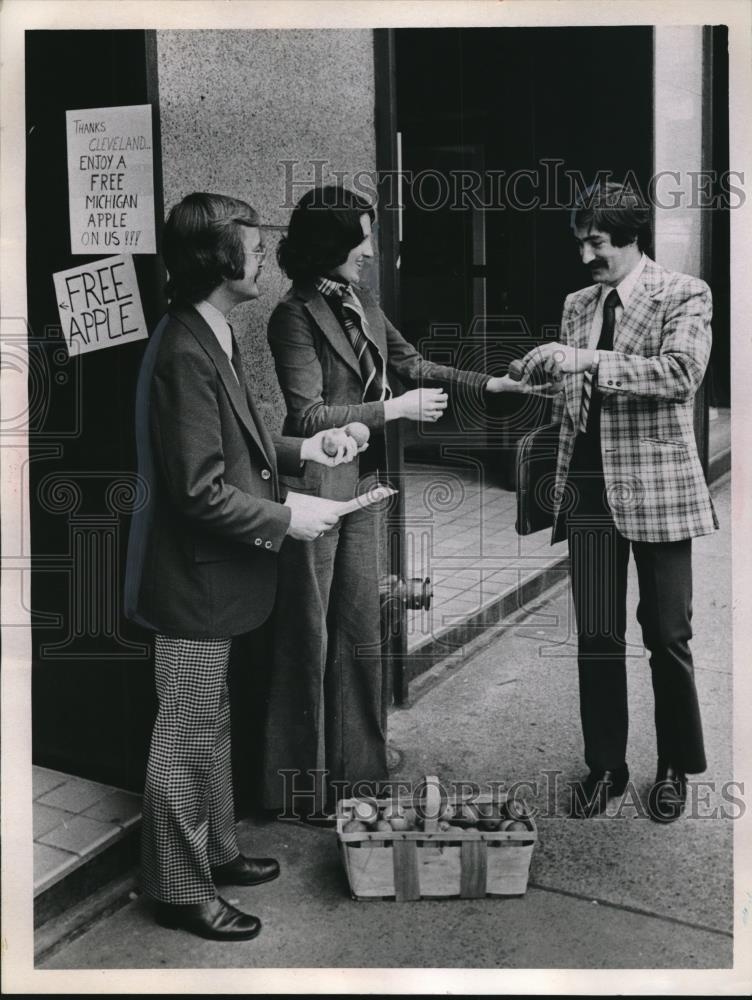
(358, 431)
(411, 816)
(354, 826)
(392, 809)
(330, 444)
(366, 810)
(383, 826)
(469, 812)
(399, 823)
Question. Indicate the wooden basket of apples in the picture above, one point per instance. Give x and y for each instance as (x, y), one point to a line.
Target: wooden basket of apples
(431, 845)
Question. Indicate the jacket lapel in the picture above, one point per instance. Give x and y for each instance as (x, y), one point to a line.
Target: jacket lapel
(640, 310)
(205, 337)
(327, 322)
(581, 322)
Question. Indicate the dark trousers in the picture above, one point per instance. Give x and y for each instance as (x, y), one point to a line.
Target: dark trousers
(599, 559)
(326, 705)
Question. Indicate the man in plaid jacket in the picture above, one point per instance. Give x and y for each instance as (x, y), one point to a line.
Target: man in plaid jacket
(634, 349)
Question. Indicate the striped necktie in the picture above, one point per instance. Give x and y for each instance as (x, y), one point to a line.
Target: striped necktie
(590, 413)
(372, 364)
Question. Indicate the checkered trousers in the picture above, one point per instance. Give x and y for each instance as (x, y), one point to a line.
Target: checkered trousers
(188, 814)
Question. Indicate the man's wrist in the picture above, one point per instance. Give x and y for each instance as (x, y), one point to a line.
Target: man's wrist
(392, 408)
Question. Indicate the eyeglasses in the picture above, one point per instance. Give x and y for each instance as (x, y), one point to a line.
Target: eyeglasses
(259, 253)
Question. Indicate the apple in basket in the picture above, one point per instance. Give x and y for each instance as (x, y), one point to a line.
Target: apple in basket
(411, 816)
(399, 823)
(489, 816)
(354, 826)
(394, 815)
(517, 809)
(469, 813)
(366, 810)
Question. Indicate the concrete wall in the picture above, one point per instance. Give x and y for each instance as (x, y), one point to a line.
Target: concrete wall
(233, 106)
(678, 146)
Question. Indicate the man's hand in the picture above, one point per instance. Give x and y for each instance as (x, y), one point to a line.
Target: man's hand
(342, 446)
(311, 516)
(551, 387)
(417, 404)
(558, 358)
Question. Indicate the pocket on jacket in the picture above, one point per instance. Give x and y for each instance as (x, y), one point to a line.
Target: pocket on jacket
(665, 443)
(300, 484)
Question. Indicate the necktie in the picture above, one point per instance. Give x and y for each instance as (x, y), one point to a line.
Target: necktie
(371, 362)
(591, 402)
(236, 362)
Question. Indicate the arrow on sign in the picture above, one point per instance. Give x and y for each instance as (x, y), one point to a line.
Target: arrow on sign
(63, 305)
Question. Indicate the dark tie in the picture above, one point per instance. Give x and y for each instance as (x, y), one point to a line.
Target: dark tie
(237, 361)
(591, 401)
(349, 312)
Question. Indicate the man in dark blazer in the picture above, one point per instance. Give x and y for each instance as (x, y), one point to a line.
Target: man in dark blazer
(202, 556)
(634, 349)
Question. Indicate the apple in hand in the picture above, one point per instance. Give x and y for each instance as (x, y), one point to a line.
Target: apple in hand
(358, 431)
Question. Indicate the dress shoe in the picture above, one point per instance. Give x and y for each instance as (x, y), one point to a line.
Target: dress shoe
(668, 796)
(590, 797)
(245, 871)
(214, 919)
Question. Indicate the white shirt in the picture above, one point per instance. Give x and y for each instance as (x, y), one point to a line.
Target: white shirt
(624, 289)
(219, 327)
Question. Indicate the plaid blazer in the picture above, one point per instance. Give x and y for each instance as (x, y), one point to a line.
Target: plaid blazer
(654, 480)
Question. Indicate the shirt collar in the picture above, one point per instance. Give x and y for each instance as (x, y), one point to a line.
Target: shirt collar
(219, 325)
(627, 285)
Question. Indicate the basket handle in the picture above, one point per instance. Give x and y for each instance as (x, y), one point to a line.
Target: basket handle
(432, 807)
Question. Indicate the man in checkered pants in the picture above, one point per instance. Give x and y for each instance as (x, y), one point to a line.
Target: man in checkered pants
(634, 349)
(202, 556)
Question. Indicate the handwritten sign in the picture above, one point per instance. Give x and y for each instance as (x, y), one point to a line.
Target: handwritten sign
(99, 305)
(111, 180)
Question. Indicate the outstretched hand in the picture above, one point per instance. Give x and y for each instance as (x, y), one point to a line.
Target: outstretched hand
(527, 385)
(330, 448)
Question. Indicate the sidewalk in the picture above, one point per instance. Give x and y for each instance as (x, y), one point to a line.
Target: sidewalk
(618, 892)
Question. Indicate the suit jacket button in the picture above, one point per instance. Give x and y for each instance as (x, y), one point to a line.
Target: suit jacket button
(267, 545)
(265, 474)
(618, 383)
(610, 382)
(257, 541)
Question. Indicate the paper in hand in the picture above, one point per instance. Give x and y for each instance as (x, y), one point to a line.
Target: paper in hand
(302, 501)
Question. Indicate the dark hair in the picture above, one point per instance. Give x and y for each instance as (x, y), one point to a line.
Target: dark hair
(617, 210)
(324, 228)
(202, 244)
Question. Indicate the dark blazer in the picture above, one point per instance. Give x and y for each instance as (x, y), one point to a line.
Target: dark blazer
(321, 381)
(202, 549)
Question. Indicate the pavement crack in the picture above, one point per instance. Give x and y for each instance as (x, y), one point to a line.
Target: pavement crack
(637, 910)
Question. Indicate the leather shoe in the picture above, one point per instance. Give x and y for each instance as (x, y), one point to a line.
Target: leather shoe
(215, 919)
(668, 796)
(590, 797)
(245, 871)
